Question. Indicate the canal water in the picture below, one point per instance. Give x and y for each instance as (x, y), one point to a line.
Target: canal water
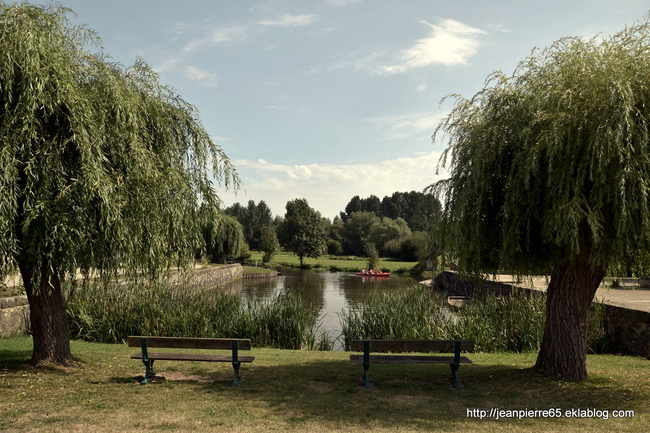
(332, 292)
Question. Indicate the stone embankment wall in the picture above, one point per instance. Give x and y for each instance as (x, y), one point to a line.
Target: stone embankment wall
(628, 330)
(14, 316)
(213, 276)
(14, 312)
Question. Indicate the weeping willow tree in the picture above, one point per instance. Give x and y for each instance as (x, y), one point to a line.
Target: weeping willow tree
(549, 174)
(102, 168)
(224, 238)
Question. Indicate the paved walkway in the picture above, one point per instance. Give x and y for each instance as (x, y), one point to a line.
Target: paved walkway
(629, 295)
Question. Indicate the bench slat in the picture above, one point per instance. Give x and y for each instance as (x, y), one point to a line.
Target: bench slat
(156, 356)
(407, 359)
(412, 345)
(190, 343)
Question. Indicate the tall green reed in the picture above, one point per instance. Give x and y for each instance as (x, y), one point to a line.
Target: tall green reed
(109, 312)
(496, 323)
(416, 313)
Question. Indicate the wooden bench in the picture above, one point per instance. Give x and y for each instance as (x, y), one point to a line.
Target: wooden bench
(445, 346)
(148, 358)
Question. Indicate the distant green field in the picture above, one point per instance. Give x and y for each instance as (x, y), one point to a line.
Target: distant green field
(346, 263)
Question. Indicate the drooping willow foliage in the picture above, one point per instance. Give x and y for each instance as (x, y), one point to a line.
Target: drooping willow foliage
(101, 166)
(553, 161)
(224, 238)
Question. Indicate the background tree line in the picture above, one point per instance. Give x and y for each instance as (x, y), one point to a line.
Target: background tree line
(400, 226)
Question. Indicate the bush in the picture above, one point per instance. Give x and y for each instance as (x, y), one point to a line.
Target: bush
(334, 247)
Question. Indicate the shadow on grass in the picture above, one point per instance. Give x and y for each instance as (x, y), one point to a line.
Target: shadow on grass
(14, 360)
(418, 396)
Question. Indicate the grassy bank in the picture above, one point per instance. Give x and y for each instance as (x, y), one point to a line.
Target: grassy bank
(334, 263)
(307, 391)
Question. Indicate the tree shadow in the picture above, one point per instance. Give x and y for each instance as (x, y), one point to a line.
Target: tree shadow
(14, 360)
(419, 396)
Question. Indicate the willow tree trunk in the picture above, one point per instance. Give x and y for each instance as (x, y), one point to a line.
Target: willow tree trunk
(48, 319)
(563, 352)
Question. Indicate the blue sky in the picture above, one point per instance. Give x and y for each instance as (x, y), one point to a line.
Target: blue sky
(327, 99)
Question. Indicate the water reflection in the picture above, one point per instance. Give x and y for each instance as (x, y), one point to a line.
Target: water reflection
(330, 291)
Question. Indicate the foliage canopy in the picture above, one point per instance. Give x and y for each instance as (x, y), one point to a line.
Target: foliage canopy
(302, 231)
(101, 166)
(553, 161)
(224, 238)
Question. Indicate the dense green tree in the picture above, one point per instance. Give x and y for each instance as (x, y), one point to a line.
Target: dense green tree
(354, 205)
(418, 209)
(355, 232)
(302, 231)
(101, 167)
(336, 228)
(423, 213)
(269, 242)
(387, 229)
(238, 211)
(224, 239)
(549, 174)
(415, 247)
(371, 204)
(389, 208)
(252, 217)
(372, 254)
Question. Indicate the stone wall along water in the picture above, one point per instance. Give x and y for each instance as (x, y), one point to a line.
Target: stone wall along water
(14, 316)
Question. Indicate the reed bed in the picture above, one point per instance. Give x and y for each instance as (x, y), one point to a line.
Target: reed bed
(513, 323)
(108, 313)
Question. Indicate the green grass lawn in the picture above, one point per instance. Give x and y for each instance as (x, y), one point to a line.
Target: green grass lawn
(308, 391)
(348, 264)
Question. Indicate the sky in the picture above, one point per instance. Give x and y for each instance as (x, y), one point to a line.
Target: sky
(328, 99)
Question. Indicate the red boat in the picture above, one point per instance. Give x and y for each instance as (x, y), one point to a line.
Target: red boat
(373, 274)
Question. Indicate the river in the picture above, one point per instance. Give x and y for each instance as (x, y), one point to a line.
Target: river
(330, 291)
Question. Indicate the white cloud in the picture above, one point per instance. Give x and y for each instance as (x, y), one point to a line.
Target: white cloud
(353, 60)
(407, 125)
(343, 2)
(329, 187)
(287, 20)
(166, 65)
(220, 35)
(450, 43)
(202, 77)
(240, 32)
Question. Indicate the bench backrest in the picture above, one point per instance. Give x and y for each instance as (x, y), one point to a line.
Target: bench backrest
(190, 343)
(446, 346)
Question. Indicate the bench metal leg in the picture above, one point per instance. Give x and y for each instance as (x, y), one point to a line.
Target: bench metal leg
(454, 375)
(148, 372)
(366, 363)
(456, 365)
(148, 363)
(237, 378)
(235, 363)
